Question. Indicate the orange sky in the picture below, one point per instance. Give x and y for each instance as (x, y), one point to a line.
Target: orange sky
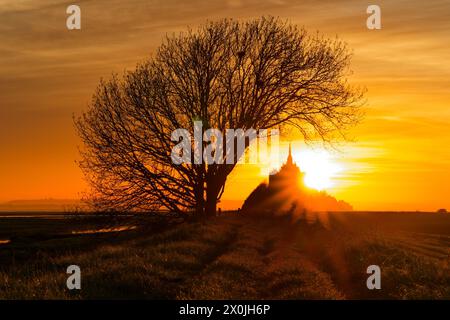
(400, 159)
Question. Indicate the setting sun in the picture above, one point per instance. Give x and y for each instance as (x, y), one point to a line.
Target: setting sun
(319, 167)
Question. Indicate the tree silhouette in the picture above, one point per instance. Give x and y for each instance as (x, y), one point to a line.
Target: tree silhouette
(260, 74)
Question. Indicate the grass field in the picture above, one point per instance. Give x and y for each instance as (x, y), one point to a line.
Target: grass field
(321, 256)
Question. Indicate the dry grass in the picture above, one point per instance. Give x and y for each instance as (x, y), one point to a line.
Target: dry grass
(322, 257)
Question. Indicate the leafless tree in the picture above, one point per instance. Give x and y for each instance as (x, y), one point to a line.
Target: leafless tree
(260, 74)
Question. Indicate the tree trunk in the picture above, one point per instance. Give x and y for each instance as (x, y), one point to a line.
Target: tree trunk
(211, 207)
(200, 201)
(211, 200)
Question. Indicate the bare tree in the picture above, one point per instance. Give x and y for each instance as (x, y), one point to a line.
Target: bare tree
(260, 74)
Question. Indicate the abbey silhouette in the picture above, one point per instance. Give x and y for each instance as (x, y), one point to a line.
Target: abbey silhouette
(286, 192)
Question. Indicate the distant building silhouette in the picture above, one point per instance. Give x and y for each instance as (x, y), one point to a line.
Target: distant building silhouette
(286, 192)
(288, 173)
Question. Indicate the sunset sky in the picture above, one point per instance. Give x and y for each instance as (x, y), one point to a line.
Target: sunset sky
(399, 158)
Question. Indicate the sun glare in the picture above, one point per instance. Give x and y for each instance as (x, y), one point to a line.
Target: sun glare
(319, 168)
(319, 165)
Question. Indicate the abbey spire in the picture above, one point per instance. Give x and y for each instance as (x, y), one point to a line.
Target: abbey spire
(289, 158)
